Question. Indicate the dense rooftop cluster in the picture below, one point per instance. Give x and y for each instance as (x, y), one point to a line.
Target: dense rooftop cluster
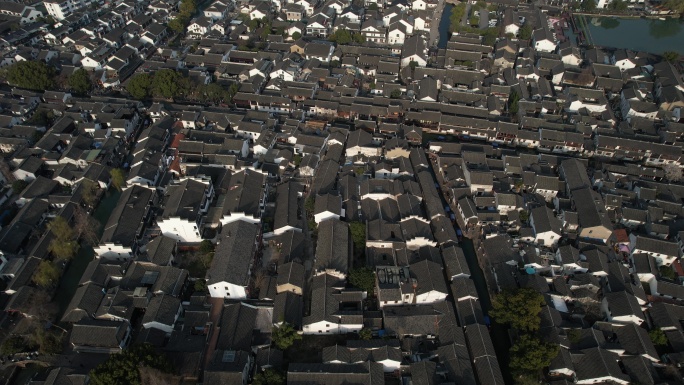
(192, 176)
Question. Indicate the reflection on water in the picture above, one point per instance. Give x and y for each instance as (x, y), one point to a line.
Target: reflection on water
(609, 23)
(664, 28)
(648, 35)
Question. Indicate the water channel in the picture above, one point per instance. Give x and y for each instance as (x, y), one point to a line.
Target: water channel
(648, 35)
(444, 24)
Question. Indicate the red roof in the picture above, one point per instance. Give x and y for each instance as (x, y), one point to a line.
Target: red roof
(177, 139)
(621, 236)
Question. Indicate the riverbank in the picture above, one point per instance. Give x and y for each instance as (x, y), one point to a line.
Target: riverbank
(628, 16)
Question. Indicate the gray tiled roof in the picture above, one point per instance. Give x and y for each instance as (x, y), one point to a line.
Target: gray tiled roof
(234, 254)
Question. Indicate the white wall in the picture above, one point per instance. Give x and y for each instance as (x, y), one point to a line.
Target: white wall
(115, 252)
(227, 290)
(181, 230)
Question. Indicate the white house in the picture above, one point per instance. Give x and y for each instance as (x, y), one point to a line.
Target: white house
(162, 312)
(327, 206)
(126, 225)
(235, 253)
(664, 252)
(186, 204)
(327, 296)
(547, 228)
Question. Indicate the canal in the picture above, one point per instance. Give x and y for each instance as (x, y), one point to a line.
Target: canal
(444, 24)
(649, 35)
(77, 266)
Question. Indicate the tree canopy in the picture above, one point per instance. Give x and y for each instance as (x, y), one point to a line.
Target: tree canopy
(63, 245)
(671, 56)
(80, 82)
(676, 6)
(529, 354)
(46, 275)
(658, 337)
(519, 308)
(169, 84)
(358, 234)
(343, 36)
(284, 336)
(139, 86)
(457, 13)
(588, 5)
(117, 178)
(31, 74)
(18, 186)
(269, 376)
(365, 334)
(525, 32)
(363, 278)
(124, 368)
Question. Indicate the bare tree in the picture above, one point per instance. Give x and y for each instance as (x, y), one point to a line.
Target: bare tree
(673, 172)
(86, 226)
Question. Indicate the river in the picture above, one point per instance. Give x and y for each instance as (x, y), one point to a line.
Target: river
(444, 24)
(649, 35)
(77, 266)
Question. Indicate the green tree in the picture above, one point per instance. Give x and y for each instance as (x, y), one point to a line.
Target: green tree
(178, 24)
(13, 344)
(474, 21)
(118, 180)
(513, 102)
(31, 74)
(80, 82)
(525, 32)
(169, 84)
(139, 86)
(63, 245)
(310, 205)
(658, 337)
(676, 6)
(618, 5)
(269, 376)
(667, 272)
(206, 247)
(123, 368)
(529, 354)
(413, 64)
(365, 334)
(358, 234)
(89, 192)
(457, 13)
(373, 7)
(296, 36)
(363, 278)
(671, 56)
(284, 336)
(395, 94)
(49, 342)
(187, 8)
(297, 160)
(588, 5)
(18, 186)
(519, 308)
(489, 36)
(341, 36)
(200, 285)
(46, 275)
